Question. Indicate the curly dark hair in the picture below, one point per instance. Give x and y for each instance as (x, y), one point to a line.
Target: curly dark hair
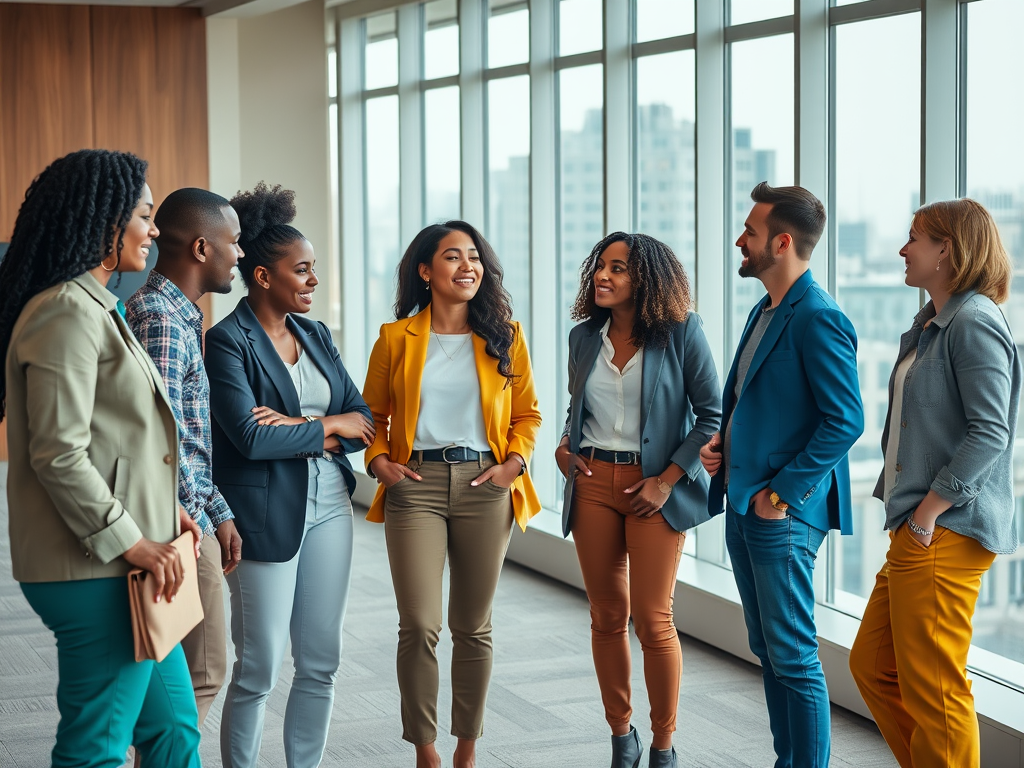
(265, 216)
(661, 289)
(490, 311)
(66, 226)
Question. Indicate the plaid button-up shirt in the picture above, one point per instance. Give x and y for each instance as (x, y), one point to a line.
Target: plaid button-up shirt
(170, 327)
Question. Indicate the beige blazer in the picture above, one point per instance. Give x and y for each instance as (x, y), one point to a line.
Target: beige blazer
(93, 442)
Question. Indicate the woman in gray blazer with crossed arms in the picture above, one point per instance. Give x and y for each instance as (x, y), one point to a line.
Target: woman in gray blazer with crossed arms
(645, 398)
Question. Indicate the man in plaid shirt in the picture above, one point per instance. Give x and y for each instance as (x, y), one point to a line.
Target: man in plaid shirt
(198, 249)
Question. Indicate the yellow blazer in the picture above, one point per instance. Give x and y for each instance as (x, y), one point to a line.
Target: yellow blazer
(392, 390)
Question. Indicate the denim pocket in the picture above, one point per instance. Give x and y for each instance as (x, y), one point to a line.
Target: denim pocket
(928, 384)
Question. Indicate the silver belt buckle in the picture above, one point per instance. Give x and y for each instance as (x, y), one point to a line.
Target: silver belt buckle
(444, 454)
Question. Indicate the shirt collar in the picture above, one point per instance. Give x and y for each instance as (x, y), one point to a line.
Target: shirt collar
(943, 318)
(178, 301)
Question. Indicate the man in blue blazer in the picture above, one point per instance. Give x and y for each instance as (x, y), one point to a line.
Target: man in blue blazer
(791, 410)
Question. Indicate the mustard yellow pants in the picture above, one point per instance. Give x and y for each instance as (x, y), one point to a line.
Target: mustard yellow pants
(910, 655)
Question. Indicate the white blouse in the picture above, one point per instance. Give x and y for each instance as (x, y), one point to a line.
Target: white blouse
(895, 420)
(612, 399)
(450, 409)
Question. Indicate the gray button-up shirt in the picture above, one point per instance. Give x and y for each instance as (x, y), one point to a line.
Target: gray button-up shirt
(959, 421)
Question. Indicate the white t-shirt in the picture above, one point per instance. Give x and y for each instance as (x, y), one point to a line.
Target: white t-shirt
(450, 409)
(895, 420)
(612, 399)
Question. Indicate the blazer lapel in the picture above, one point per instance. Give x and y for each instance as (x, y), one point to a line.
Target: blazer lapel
(491, 382)
(778, 323)
(728, 394)
(654, 359)
(417, 337)
(320, 357)
(265, 352)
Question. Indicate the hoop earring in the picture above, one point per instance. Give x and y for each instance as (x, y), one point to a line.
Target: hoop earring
(106, 268)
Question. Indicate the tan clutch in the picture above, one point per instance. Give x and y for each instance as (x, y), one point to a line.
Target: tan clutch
(158, 627)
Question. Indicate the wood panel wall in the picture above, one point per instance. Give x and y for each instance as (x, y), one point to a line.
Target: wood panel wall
(126, 78)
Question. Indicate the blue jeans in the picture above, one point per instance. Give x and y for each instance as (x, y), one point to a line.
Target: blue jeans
(773, 562)
(107, 700)
(303, 600)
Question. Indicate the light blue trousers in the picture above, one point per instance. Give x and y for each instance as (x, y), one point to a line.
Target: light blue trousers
(303, 599)
(107, 700)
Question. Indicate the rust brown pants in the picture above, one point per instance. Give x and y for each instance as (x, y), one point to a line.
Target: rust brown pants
(629, 566)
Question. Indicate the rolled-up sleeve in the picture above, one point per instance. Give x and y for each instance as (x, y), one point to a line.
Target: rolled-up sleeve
(982, 357)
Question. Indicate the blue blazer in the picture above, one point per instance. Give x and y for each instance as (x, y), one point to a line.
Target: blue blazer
(263, 471)
(680, 410)
(799, 413)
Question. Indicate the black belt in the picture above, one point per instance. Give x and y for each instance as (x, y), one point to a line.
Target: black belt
(613, 457)
(454, 454)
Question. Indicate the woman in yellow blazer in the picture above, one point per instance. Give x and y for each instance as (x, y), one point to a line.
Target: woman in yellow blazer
(93, 476)
(452, 395)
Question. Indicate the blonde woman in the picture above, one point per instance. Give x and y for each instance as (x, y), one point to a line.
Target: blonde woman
(947, 485)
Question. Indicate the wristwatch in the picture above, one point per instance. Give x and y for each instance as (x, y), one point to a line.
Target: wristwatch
(663, 486)
(778, 503)
(522, 467)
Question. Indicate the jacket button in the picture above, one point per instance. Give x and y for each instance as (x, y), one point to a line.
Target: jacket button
(899, 468)
(167, 459)
(647, 440)
(903, 424)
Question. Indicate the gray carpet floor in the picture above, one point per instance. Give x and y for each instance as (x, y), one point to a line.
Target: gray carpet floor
(544, 708)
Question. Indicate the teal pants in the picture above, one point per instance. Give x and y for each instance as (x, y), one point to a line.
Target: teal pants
(107, 700)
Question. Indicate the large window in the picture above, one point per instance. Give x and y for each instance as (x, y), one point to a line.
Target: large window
(995, 177)
(381, 173)
(762, 148)
(546, 125)
(659, 19)
(873, 218)
(666, 164)
(442, 164)
(508, 214)
(581, 177)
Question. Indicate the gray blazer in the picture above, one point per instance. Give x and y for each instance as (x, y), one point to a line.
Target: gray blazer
(959, 420)
(93, 441)
(681, 404)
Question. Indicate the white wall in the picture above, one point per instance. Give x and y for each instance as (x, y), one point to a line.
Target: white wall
(267, 86)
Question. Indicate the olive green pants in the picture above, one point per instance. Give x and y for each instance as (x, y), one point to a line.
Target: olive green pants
(425, 522)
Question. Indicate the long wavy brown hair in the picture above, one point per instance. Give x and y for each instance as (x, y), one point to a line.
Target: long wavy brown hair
(661, 289)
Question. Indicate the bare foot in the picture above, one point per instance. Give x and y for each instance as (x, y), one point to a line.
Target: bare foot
(465, 754)
(427, 757)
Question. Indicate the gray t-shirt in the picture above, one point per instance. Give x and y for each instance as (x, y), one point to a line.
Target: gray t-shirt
(746, 356)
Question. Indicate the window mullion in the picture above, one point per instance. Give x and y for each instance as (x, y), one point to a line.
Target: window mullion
(939, 115)
(618, 123)
(410, 120)
(473, 108)
(544, 345)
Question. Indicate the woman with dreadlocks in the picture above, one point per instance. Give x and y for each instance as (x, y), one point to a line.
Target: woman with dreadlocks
(644, 399)
(93, 477)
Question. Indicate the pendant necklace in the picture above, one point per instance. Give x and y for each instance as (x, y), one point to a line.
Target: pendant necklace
(456, 352)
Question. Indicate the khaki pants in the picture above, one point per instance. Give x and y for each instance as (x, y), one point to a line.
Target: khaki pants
(910, 655)
(629, 566)
(425, 522)
(206, 646)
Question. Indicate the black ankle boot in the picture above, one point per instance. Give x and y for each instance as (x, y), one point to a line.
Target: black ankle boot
(662, 758)
(626, 750)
